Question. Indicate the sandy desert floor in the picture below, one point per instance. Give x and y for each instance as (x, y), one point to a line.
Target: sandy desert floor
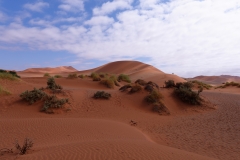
(101, 129)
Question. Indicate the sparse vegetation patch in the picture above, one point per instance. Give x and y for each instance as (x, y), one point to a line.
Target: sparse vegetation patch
(101, 95)
(201, 84)
(4, 91)
(33, 96)
(123, 77)
(227, 84)
(51, 101)
(72, 76)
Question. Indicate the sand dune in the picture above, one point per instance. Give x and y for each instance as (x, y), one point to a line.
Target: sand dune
(217, 79)
(100, 129)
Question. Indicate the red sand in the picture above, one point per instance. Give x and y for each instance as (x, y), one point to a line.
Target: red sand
(100, 129)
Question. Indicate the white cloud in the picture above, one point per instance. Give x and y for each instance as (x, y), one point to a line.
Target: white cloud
(109, 7)
(37, 7)
(185, 37)
(72, 5)
(99, 20)
(3, 17)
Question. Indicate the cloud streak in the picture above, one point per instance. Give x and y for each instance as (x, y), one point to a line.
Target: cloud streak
(37, 7)
(186, 37)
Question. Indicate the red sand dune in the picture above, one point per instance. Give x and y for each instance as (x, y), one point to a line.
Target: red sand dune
(99, 129)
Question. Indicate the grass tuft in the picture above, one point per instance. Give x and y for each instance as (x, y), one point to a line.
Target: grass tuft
(3, 91)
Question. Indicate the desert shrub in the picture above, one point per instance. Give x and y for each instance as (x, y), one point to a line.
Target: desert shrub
(153, 97)
(6, 75)
(135, 88)
(227, 84)
(81, 76)
(14, 74)
(51, 84)
(46, 75)
(72, 76)
(95, 76)
(123, 77)
(102, 75)
(108, 82)
(187, 95)
(141, 82)
(160, 108)
(3, 71)
(57, 76)
(150, 86)
(27, 144)
(125, 87)
(51, 101)
(3, 91)
(114, 79)
(33, 96)
(169, 84)
(102, 95)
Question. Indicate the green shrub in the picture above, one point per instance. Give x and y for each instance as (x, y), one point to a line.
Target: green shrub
(187, 95)
(169, 84)
(102, 75)
(72, 76)
(4, 91)
(81, 76)
(33, 96)
(51, 84)
(6, 75)
(46, 75)
(123, 77)
(52, 102)
(95, 77)
(102, 95)
(57, 76)
(114, 79)
(153, 97)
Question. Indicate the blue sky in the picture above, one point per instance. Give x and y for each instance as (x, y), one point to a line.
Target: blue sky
(185, 37)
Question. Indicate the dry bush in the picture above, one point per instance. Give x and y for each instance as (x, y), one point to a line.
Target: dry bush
(135, 88)
(154, 97)
(187, 95)
(201, 84)
(160, 108)
(101, 95)
(27, 145)
(72, 76)
(8, 76)
(95, 77)
(57, 76)
(46, 75)
(141, 82)
(33, 96)
(169, 84)
(107, 82)
(4, 91)
(81, 76)
(52, 102)
(125, 87)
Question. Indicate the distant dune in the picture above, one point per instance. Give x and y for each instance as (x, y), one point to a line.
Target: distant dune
(217, 79)
(61, 69)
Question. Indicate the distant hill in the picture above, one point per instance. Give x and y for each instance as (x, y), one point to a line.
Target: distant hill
(61, 69)
(217, 79)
